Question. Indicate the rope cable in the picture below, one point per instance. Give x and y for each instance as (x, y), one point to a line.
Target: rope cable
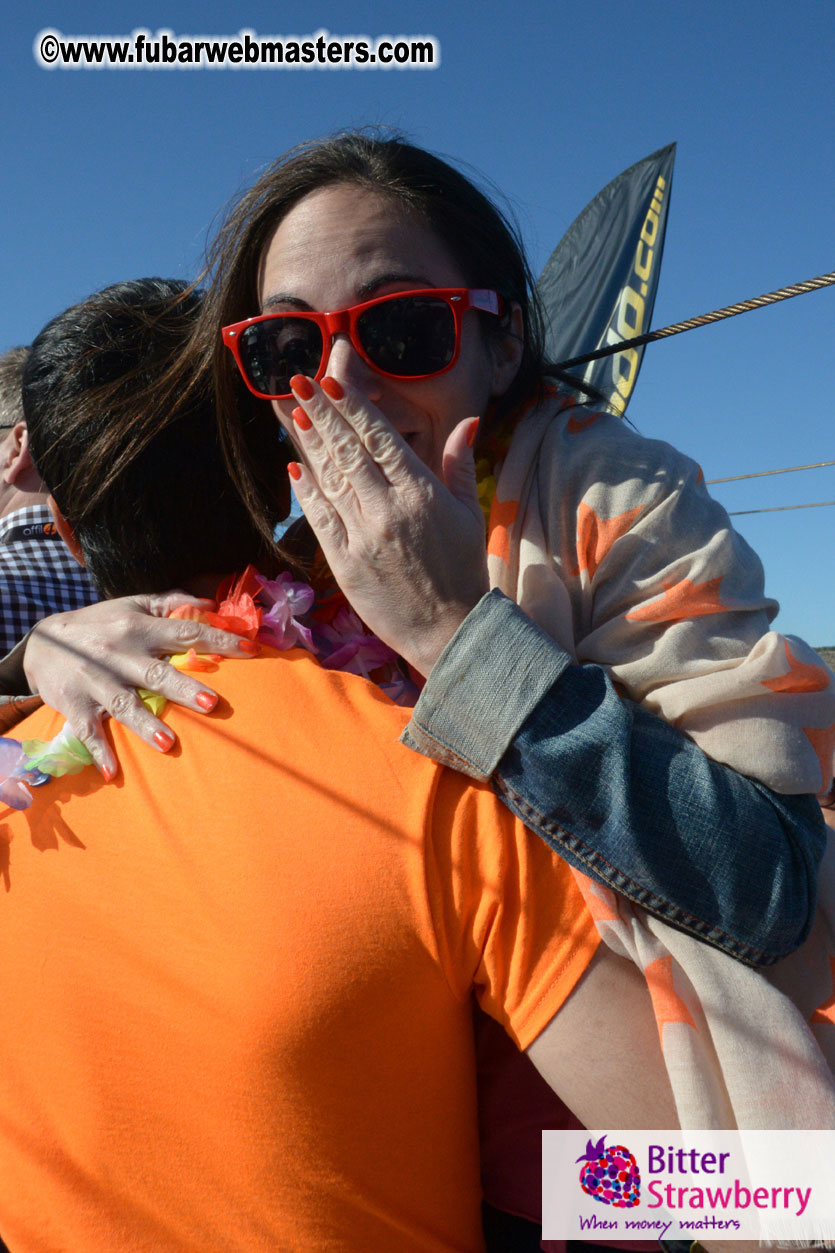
(818, 504)
(760, 474)
(730, 311)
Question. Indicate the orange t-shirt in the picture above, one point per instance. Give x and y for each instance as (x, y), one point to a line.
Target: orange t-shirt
(235, 984)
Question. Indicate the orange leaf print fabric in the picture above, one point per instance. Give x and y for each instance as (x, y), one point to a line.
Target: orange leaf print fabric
(666, 1002)
(680, 601)
(596, 535)
(502, 516)
(800, 678)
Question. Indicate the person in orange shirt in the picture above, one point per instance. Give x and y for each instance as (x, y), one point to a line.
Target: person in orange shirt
(237, 985)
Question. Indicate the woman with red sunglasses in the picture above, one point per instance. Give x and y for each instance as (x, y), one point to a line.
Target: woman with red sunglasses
(624, 691)
(381, 304)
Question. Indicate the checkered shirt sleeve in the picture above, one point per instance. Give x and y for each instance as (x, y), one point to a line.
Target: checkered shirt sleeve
(38, 577)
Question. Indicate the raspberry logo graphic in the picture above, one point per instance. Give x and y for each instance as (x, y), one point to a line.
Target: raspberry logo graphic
(611, 1175)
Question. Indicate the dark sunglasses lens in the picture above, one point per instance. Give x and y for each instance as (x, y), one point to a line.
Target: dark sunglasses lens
(412, 336)
(275, 350)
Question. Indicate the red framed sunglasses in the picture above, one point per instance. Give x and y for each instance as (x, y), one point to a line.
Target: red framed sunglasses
(407, 335)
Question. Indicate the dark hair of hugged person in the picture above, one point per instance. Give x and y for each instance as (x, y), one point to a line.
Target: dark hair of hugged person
(105, 421)
(479, 238)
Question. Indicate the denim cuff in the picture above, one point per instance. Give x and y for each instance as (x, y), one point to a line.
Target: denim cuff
(491, 675)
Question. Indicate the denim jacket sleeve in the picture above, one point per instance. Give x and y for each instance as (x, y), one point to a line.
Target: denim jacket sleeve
(618, 792)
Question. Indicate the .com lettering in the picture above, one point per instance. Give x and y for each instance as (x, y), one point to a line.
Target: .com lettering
(165, 50)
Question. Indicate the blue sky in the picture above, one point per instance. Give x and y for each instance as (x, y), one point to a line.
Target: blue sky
(113, 174)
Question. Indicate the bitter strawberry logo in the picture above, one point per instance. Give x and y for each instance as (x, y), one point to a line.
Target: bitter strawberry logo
(610, 1175)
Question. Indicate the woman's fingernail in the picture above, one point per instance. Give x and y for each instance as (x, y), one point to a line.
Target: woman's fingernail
(108, 772)
(472, 431)
(206, 700)
(249, 647)
(301, 386)
(294, 470)
(301, 419)
(332, 388)
(163, 740)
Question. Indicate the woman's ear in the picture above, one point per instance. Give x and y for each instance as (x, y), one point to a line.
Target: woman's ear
(66, 532)
(507, 348)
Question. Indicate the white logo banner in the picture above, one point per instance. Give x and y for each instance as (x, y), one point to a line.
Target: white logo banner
(688, 1185)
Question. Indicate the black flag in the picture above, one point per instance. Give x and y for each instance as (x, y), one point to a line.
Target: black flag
(600, 282)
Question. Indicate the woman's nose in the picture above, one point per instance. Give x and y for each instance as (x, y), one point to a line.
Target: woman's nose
(347, 366)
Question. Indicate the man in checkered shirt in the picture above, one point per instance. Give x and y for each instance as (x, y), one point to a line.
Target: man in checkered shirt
(38, 576)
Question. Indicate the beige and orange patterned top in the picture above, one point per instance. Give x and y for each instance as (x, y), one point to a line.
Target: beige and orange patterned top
(613, 545)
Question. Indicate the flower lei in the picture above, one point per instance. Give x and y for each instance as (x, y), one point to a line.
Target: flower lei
(282, 613)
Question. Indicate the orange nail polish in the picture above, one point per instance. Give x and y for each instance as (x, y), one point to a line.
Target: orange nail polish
(250, 647)
(206, 701)
(163, 740)
(301, 386)
(294, 470)
(332, 388)
(472, 431)
(301, 419)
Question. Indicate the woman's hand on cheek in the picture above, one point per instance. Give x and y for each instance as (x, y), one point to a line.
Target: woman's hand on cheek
(408, 552)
